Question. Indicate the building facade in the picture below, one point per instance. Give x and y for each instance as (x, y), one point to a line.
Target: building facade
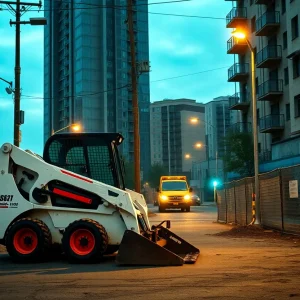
(219, 120)
(87, 70)
(273, 29)
(175, 141)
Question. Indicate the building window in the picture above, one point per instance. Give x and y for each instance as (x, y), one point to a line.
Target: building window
(296, 66)
(259, 147)
(253, 22)
(295, 27)
(286, 76)
(284, 40)
(297, 106)
(251, 2)
(287, 112)
(283, 6)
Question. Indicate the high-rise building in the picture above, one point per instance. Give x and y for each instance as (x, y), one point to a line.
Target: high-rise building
(87, 70)
(273, 29)
(217, 119)
(175, 141)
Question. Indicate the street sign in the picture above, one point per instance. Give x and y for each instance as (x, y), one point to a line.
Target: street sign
(293, 188)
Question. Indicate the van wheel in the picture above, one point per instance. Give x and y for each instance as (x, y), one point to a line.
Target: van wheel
(188, 209)
(84, 241)
(28, 240)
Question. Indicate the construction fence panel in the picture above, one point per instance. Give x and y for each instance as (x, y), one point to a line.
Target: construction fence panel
(291, 201)
(221, 203)
(240, 201)
(249, 186)
(270, 200)
(230, 201)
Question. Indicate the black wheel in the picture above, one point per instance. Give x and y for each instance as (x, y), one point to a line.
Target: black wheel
(28, 240)
(84, 240)
(161, 209)
(188, 209)
(182, 209)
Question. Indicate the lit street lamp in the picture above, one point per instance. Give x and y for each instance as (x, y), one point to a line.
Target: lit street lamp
(187, 156)
(241, 35)
(74, 127)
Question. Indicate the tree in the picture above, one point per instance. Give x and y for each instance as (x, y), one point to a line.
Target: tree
(156, 171)
(239, 154)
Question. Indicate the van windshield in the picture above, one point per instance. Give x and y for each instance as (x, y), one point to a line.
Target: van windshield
(174, 186)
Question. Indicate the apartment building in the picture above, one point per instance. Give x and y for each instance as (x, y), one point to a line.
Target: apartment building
(176, 141)
(219, 120)
(273, 30)
(87, 70)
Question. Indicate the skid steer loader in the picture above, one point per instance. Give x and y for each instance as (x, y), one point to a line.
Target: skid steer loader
(75, 197)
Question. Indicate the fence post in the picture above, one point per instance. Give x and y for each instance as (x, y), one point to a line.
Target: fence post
(234, 204)
(225, 206)
(281, 199)
(246, 199)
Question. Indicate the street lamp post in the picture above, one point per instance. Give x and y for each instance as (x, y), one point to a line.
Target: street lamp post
(195, 121)
(75, 127)
(242, 35)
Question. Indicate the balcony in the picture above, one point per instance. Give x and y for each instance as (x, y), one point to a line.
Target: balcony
(236, 46)
(271, 123)
(236, 17)
(268, 23)
(239, 101)
(262, 2)
(270, 90)
(240, 127)
(269, 56)
(238, 72)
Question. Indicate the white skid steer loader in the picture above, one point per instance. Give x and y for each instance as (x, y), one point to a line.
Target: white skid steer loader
(75, 197)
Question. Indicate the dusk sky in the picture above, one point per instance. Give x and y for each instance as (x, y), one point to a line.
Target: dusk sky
(178, 46)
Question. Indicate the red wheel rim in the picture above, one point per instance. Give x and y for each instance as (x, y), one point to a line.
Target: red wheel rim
(25, 241)
(82, 242)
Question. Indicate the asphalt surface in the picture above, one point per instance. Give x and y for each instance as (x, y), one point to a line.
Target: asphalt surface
(228, 268)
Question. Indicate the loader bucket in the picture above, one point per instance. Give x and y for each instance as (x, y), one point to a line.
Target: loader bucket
(169, 250)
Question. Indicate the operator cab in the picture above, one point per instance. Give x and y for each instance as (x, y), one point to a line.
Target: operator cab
(93, 155)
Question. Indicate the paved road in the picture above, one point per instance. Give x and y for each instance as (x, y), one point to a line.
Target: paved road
(226, 269)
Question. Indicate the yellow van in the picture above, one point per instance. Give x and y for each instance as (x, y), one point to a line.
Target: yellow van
(174, 192)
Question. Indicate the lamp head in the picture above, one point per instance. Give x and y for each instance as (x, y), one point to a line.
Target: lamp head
(239, 34)
(9, 90)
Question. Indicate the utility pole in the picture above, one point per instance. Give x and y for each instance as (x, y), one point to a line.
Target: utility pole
(135, 106)
(18, 114)
(17, 120)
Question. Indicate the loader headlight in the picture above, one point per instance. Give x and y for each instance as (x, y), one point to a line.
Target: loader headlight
(163, 197)
(187, 197)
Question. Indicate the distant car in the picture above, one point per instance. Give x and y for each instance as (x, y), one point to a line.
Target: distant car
(196, 200)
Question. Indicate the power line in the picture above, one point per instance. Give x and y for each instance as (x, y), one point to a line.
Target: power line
(127, 85)
(92, 6)
(191, 74)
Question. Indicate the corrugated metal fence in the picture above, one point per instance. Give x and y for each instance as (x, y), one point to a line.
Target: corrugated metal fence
(279, 200)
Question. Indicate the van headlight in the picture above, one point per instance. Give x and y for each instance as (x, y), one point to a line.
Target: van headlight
(187, 197)
(163, 197)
